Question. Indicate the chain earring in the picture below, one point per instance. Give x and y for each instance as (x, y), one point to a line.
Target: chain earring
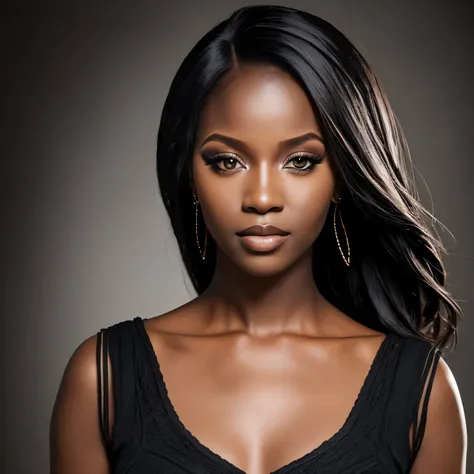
(203, 253)
(347, 260)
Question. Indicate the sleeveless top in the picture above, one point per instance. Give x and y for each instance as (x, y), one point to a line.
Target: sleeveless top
(149, 438)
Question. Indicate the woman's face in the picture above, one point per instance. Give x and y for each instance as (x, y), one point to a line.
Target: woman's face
(251, 168)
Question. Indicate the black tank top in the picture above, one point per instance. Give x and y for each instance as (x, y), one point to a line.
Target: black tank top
(149, 438)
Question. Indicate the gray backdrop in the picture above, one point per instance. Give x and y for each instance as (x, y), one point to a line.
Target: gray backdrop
(85, 238)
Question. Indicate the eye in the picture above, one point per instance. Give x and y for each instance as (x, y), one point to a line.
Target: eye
(223, 162)
(303, 162)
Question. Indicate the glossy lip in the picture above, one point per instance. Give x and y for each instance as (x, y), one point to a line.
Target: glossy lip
(262, 238)
(262, 230)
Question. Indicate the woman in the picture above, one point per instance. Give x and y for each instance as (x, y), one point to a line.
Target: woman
(314, 344)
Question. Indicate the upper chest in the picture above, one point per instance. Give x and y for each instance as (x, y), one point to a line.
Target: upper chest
(263, 404)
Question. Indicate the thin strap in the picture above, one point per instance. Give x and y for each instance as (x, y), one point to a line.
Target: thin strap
(103, 385)
(427, 379)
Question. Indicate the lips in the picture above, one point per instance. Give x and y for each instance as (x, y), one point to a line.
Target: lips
(262, 230)
(262, 238)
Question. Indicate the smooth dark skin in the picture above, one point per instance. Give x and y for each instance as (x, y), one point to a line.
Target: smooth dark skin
(261, 368)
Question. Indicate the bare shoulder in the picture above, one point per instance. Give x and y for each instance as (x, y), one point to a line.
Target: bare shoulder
(80, 374)
(81, 366)
(444, 445)
(75, 440)
(445, 406)
(445, 388)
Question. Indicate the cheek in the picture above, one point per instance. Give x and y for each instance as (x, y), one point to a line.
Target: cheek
(220, 197)
(308, 200)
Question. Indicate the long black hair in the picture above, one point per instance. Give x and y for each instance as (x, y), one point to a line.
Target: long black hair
(396, 280)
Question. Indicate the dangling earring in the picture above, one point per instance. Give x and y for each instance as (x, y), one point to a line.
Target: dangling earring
(203, 254)
(347, 260)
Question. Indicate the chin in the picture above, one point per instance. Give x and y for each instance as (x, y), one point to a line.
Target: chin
(264, 265)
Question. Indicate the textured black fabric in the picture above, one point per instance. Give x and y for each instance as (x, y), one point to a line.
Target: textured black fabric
(149, 438)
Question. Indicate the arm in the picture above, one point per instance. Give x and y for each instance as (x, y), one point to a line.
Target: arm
(444, 446)
(75, 440)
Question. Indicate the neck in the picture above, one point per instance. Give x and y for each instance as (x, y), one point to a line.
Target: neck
(287, 302)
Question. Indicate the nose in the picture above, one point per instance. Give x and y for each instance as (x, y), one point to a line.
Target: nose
(262, 191)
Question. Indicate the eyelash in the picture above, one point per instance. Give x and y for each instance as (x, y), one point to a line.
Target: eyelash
(313, 159)
(212, 160)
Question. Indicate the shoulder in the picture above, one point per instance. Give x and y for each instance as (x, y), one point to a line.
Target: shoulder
(79, 381)
(438, 382)
(445, 405)
(78, 401)
(75, 438)
(81, 369)
(426, 402)
(444, 444)
(445, 392)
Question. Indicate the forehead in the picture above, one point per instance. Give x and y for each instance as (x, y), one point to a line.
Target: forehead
(258, 99)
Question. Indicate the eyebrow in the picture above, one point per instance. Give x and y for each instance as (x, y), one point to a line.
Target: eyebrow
(235, 143)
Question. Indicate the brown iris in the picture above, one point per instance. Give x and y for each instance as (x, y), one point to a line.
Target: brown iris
(300, 161)
(229, 163)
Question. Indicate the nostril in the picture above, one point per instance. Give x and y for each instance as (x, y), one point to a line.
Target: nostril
(261, 209)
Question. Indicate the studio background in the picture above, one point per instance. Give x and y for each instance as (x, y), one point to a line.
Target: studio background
(86, 242)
